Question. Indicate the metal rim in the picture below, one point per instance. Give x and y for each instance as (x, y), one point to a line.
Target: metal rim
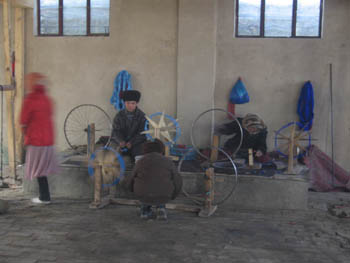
(91, 169)
(205, 112)
(230, 192)
(70, 114)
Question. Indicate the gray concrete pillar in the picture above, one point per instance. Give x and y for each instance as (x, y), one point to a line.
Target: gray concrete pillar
(196, 66)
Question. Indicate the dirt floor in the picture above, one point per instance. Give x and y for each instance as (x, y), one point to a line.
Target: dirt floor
(68, 231)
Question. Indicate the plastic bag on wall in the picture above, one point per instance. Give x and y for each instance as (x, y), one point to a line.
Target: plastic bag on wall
(239, 94)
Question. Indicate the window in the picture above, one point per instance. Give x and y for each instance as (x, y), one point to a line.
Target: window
(279, 18)
(73, 17)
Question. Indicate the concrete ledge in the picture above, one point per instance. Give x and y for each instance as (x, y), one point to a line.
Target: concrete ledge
(270, 193)
(71, 182)
(252, 192)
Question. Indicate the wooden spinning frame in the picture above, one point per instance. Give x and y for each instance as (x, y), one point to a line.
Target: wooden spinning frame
(295, 139)
(107, 168)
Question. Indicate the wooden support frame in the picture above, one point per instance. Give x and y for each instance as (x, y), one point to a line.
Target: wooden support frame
(19, 79)
(6, 10)
(99, 202)
(14, 97)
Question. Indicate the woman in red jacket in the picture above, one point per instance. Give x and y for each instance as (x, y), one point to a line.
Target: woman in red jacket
(37, 125)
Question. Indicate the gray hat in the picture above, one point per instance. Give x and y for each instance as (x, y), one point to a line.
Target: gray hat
(253, 120)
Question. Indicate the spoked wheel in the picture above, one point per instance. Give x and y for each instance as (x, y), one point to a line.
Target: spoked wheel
(112, 165)
(225, 181)
(76, 125)
(163, 127)
(293, 135)
(213, 117)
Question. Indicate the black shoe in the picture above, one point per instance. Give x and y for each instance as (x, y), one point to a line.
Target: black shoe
(146, 212)
(161, 213)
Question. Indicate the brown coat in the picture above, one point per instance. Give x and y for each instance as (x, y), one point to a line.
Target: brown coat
(154, 179)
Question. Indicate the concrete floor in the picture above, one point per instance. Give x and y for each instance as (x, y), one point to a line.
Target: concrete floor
(68, 231)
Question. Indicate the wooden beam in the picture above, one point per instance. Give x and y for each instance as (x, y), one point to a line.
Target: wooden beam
(6, 9)
(19, 70)
(21, 3)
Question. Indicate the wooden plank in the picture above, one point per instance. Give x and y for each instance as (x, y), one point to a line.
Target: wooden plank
(182, 207)
(6, 10)
(19, 70)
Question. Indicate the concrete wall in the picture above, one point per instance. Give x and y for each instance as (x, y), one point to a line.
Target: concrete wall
(274, 71)
(196, 66)
(143, 40)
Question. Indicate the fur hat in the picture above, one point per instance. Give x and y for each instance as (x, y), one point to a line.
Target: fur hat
(154, 146)
(131, 95)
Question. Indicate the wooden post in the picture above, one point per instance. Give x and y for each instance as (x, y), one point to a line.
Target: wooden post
(167, 150)
(250, 157)
(214, 149)
(19, 74)
(91, 139)
(209, 208)
(6, 10)
(209, 188)
(291, 151)
(98, 185)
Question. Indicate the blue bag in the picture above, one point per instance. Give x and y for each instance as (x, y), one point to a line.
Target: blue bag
(239, 94)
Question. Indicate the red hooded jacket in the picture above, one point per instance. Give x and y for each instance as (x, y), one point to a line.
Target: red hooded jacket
(36, 118)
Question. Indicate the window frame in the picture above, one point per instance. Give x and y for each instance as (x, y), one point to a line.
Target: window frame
(294, 22)
(60, 22)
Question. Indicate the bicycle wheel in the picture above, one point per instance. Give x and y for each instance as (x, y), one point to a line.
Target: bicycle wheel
(226, 178)
(76, 126)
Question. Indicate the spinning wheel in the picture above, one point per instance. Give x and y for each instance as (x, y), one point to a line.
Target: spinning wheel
(225, 180)
(109, 163)
(77, 121)
(233, 117)
(292, 141)
(163, 127)
(218, 184)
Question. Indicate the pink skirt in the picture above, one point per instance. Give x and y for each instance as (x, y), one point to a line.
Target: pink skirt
(40, 161)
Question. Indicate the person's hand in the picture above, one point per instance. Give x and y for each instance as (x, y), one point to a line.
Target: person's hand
(128, 145)
(258, 153)
(122, 144)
